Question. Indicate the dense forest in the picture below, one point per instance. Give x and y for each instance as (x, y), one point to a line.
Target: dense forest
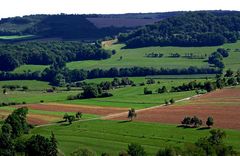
(45, 53)
(189, 29)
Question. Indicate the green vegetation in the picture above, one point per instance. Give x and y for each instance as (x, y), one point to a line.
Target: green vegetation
(122, 97)
(114, 136)
(31, 84)
(31, 68)
(133, 97)
(189, 29)
(136, 57)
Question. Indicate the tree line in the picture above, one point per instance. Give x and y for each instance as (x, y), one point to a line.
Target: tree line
(189, 29)
(46, 53)
(60, 75)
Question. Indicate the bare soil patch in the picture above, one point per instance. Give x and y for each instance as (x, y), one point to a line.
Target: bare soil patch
(223, 105)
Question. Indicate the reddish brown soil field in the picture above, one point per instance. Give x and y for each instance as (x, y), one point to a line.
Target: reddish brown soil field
(34, 119)
(226, 114)
(75, 108)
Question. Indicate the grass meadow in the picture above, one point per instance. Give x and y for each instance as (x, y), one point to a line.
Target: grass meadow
(114, 136)
(136, 57)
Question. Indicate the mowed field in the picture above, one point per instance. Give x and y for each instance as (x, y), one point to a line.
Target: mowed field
(136, 57)
(223, 105)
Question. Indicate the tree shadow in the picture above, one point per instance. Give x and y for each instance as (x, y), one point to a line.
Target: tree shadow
(125, 121)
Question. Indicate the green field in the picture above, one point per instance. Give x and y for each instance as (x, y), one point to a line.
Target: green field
(136, 57)
(134, 96)
(122, 97)
(14, 37)
(31, 68)
(32, 85)
(114, 136)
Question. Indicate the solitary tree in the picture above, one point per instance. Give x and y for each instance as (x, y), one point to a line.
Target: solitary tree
(132, 114)
(209, 121)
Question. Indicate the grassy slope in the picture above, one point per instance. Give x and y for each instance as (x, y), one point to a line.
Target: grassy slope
(135, 57)
(114, 136)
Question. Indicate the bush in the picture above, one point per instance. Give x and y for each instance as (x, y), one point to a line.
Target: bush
(146, 91)
(136, 150)
(172, 101)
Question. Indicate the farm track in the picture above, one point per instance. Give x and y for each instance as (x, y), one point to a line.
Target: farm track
(116, 115)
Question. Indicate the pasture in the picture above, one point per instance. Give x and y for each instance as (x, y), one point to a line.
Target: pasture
(114, 136)
(136, 57)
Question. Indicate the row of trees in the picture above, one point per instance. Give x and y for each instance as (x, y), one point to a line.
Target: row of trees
(60, 75)
(154, 55)
(189, 29)
(11, 142)
(45, 53)
(196, 122)
(71, 118)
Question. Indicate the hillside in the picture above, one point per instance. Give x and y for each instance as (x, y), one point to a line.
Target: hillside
(189, 29)
(85, 27)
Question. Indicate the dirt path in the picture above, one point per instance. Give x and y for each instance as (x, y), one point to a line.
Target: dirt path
(116, 115)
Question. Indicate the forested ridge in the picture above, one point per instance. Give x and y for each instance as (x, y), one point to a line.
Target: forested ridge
(45, 53)
(189, 29)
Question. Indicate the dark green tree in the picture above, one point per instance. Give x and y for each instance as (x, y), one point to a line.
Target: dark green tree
(136, 150)
(209, 121)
